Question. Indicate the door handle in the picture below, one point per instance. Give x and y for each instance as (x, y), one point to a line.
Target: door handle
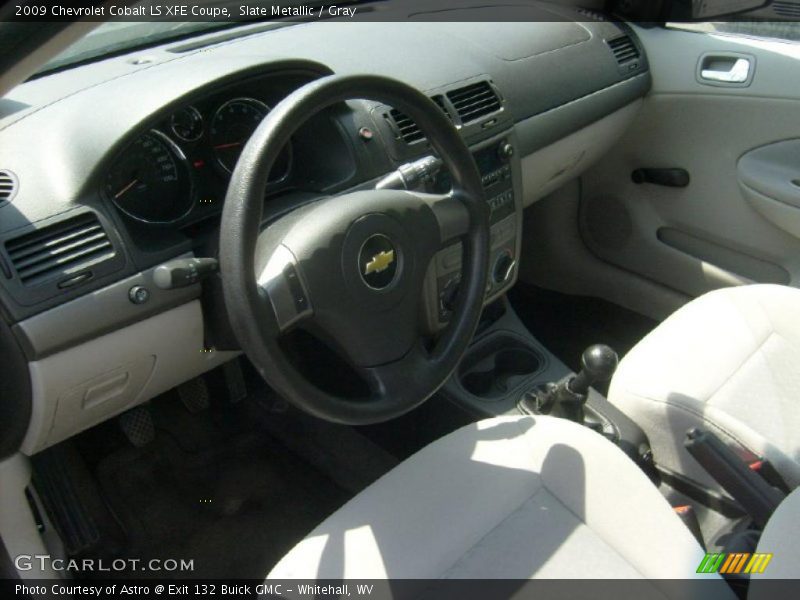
(725, 69)
(738, 73)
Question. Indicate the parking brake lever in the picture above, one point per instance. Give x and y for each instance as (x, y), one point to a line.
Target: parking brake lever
(758, 498)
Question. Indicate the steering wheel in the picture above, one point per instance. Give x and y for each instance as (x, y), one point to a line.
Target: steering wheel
(353, 266)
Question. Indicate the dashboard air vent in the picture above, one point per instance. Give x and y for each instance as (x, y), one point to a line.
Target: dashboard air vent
(8, 186)
(786, 9)
(60, 250)
(475, 101)
(407, 129)
(624, 49)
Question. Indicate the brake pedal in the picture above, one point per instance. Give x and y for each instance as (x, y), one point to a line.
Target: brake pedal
(234, 381)
(137, 425)
(194, 395)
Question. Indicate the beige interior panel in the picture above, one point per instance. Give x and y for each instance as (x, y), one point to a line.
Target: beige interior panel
(17, 525)
(551, 167)
(89, 383)
(705, 130)
(555, 257)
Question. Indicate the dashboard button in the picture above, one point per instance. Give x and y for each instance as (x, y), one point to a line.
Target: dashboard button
(138, 294)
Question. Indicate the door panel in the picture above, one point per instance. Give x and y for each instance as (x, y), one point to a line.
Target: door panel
(770, 179)
(714, 232)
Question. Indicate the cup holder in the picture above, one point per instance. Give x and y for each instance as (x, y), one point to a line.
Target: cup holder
(496, 368)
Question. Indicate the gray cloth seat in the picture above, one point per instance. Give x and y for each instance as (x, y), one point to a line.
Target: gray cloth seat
(509, 497)
(729, 362)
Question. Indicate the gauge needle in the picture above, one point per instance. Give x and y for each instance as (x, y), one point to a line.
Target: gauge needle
(126, 188)
(229, 145)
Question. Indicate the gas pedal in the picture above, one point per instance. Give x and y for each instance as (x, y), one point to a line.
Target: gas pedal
(137, 425)
(194, 395)
(234, 381)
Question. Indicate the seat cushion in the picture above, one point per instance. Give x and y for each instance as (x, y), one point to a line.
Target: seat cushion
(510, 497)
(728, 361)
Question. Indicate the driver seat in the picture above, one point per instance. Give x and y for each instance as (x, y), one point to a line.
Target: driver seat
(508, 497)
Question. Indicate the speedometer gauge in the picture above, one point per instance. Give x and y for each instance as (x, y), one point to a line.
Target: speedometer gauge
(150, 180)
(232, 125)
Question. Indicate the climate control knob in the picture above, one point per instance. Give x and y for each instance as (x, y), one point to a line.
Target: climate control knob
(505, 150)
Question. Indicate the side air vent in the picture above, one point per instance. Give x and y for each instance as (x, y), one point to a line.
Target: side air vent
(474, 101)
(624, 49)
(60, 250)
(406, 128)
(8, 186)
(786, 9)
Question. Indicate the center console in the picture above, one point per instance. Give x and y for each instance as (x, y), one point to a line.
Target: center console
(507, 371)
(500, 172)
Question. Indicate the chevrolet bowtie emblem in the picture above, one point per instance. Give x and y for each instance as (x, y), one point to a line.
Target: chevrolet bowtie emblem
(379, 262)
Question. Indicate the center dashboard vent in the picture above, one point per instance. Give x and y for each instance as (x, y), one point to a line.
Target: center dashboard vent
(624, 49)
(475, 101)
(60, 250)
(470, 103)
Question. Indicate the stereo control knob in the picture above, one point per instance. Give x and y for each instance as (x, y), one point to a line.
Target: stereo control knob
(506, 150)
(503, 268)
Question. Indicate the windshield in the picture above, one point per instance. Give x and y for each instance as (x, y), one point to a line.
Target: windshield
(114, 37)
(117, 36)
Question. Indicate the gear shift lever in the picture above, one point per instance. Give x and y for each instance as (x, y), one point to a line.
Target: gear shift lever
(598, 364)
(567, 397)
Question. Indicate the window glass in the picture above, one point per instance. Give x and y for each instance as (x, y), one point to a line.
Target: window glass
(788, 31)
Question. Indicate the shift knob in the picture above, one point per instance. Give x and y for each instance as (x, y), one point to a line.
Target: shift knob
(598, 363)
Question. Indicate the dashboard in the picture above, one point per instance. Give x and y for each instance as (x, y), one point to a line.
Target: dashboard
(123, 165)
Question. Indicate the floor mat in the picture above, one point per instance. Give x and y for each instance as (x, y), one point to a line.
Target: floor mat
(231, 499)
(567, 324)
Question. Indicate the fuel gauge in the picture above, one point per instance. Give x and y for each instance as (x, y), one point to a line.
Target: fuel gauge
(187, 124)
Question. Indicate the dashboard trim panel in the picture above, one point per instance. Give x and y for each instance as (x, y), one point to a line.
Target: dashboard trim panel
(105, 310)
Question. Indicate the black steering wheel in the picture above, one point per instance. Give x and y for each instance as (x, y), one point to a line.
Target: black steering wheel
(353, 265)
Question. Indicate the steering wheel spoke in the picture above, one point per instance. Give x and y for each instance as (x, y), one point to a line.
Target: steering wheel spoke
(281, 282)
(390, 382)
(451, 214)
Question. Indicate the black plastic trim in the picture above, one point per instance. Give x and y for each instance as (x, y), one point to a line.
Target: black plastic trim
(15, 391)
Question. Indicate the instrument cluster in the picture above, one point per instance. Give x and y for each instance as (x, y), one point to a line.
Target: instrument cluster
(179, 170)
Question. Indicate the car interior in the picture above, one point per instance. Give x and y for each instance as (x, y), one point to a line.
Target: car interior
(456, 295)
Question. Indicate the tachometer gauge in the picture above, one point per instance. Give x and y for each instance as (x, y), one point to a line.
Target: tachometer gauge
(150, 181)
(187, 124)
(232, 125)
